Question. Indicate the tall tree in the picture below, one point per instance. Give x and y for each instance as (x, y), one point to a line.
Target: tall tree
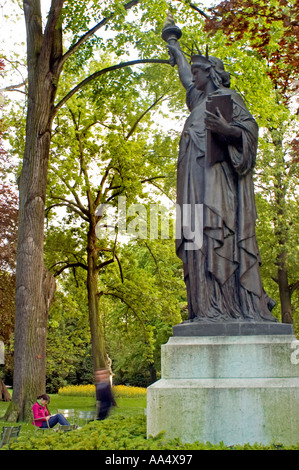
(272, 30)
(109, 149)
(46, 59)
(8, 242)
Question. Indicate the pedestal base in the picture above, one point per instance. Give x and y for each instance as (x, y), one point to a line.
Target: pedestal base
(233, 328)
(235, 389)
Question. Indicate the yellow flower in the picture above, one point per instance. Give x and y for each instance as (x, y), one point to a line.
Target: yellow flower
(120, 391)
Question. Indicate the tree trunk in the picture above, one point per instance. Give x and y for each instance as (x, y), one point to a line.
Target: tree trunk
(95, 320)
(34, 286)
(4, 393)
(284, 290)
(280, 227)
(153, 372)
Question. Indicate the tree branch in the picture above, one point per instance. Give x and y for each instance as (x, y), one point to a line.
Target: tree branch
(74, 207)
(52, 207)
(15, 87)
(101, 186)
(201, 12)
(293, 287)
(102, 72)
(33, 21)
(110, 250)
(194, 7)
(105, 263)
(121, 297)
(91, 32)
(69, 265)
(120, 268)
(142, 116)
(149, 180)
(82, 164)
(72, 190)
(52, 41)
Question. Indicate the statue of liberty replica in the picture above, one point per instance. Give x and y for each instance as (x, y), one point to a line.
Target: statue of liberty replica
(217, 154)
(229, 373)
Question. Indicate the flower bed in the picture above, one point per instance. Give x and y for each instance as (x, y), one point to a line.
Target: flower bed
(120, 391)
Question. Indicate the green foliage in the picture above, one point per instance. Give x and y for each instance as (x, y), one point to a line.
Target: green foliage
(122, 433)
(93, 136)
(125, 429)
(141, 309)
(270, 28)
(115, 127)
(107, 144)
(68, 353)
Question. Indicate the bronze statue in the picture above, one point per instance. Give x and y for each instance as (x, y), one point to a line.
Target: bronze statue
(217, 155)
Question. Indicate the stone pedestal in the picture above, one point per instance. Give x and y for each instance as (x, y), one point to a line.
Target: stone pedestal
(236, 389)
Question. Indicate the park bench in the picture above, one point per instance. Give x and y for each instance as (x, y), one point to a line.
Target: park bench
(86, 416)
(69, 414)
(38, 428)
(67, 427)
(8, 433)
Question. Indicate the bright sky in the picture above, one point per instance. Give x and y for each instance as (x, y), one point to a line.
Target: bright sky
(13, 39)
(13, 35)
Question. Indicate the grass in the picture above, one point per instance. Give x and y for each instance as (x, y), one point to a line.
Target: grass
(125, 429)
(126, 407)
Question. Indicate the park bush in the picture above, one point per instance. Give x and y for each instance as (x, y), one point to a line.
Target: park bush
(119, 391)
(117, 433)
(125, 429)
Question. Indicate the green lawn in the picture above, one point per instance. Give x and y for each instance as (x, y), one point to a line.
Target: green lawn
(129, 408)
(125, 429)
(125, 406)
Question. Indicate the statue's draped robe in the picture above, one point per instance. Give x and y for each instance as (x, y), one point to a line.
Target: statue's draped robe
(222, 277)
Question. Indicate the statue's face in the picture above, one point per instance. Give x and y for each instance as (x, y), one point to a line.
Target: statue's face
(201, 77)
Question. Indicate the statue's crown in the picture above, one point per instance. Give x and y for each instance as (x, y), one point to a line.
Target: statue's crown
(198, 59)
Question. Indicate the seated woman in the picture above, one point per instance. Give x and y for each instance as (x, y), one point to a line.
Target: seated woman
(41, 415)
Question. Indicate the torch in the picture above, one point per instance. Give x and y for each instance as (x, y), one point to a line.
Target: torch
(171, 33)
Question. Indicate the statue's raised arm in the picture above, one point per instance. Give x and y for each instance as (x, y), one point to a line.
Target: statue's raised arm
(171, 33)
